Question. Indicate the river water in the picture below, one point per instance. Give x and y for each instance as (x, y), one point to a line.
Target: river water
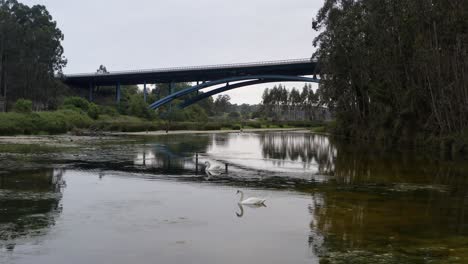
(149, 200)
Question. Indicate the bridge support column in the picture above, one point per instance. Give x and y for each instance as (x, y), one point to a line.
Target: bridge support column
(145, 92)
(91, 90)
(117, 93)
(171, 91)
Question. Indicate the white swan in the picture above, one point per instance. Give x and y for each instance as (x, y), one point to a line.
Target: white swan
(251, 200)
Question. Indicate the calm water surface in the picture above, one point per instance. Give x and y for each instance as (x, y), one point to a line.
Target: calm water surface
(148, 200)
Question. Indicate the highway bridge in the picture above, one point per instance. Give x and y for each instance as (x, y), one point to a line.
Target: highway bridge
(232, 76)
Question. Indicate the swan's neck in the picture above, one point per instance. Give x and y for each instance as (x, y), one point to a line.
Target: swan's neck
(241, 210)
(207, 166)
(242, 196)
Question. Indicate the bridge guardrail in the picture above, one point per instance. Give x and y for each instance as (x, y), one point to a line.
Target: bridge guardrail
(188, 68)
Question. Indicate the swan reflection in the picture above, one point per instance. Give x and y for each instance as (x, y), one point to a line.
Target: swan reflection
(241, 207)
(213, 170)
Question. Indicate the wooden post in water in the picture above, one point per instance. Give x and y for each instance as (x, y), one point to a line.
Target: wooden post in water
(196, 163)
(227, 168)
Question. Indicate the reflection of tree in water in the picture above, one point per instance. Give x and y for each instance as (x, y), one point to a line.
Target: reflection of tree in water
(355, 165)
(220, 140)
(307, 148)
(29, 203)
(397, 204)
(174, 152)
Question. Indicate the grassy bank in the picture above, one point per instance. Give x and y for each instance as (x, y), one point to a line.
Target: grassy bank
(63, 121)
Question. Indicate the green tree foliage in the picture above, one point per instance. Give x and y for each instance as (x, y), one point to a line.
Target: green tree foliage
(222, 104)
(234, 115)
(208, 105)
(280, 103)
(395, 69)
(81, 105)
(23, 106)
(196, 113)
(30, 53)
(138, 107)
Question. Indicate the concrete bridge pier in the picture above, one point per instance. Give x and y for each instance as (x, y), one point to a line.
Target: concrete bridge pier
(117, 93)
(145, 92)
(171, 91)
(91, 92)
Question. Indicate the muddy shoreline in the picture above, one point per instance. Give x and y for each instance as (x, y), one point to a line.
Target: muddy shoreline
(70, 139)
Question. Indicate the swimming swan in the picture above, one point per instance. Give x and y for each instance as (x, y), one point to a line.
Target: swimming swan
(251, 200)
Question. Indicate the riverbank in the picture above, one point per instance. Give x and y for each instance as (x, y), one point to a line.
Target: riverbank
(78, 122)
(181, 132)
(71, 140)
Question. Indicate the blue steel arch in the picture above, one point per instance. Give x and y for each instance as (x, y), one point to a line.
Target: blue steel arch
(250, 80)
(228, 87)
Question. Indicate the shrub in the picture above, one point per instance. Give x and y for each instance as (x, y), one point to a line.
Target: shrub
(15, 124)
(43, 122)
(61, 121)
(51, 122)
(138, 107)
(93, 111)
(212, 126)
(23, 106)
(195, 113)
(321, 129)
(122, 107)
(77, 102)
(124, 124)
(108, 110)
(234, 115)
(254, 124)
(75, 119)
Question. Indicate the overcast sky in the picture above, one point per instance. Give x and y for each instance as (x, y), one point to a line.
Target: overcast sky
(146, 34)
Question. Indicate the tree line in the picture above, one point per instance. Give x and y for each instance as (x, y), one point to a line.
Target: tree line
(30, 54)
(395, 70)
(280, 103)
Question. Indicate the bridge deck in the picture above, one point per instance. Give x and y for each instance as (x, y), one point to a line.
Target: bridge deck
(300, 67)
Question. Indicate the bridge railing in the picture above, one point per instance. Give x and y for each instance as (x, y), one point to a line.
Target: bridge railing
(193, 68)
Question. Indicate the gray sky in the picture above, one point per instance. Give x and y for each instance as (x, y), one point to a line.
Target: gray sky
(145, 34)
